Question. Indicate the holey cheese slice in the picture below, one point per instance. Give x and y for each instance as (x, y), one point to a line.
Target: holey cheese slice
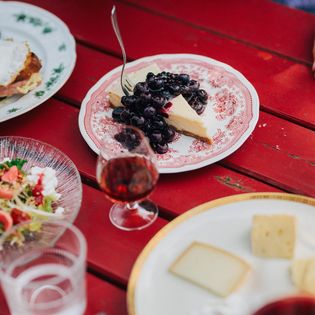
(211, 268)
(273, 236)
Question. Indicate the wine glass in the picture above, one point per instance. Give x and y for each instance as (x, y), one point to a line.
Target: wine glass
(292, 305)
(127, 173)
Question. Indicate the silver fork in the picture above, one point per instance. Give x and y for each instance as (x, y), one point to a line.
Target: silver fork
(126, 86)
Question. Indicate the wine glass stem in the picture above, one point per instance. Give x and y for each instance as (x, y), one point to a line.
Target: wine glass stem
(132, 205)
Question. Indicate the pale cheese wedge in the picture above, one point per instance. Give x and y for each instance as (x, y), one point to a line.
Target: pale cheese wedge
(273, 236)
(298, 269)
(133, 78)
(211, 268)
(303, 274)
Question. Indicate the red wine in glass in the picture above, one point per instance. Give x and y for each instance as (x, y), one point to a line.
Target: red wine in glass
(127, 174)
(295, 305)
(128, 179)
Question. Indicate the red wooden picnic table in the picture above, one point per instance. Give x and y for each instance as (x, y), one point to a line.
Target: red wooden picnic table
(269, 43)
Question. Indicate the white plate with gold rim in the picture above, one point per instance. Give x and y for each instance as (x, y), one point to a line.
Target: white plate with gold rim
(232, 111)
(50, 39)
(225, 223)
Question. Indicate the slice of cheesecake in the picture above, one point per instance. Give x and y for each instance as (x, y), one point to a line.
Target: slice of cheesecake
(132, 78)
(177, 111)
(184, 119)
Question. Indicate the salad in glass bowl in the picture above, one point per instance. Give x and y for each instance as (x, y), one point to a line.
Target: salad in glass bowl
(37, 182)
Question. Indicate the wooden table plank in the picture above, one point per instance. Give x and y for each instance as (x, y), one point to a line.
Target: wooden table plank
(63, 133)
(273, 26)
(104, 297)
(285, 88)
(286, 170)
(111, 251)
(101, 297)
(279, 152)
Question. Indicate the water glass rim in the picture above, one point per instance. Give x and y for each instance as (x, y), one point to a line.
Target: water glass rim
(66, 225)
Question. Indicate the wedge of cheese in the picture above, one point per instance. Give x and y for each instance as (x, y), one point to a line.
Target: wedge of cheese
(298, 269)
(303, 275)
(273, 236)
(133, 78)
(211, 268)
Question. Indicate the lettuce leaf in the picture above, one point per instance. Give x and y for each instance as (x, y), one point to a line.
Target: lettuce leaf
(17, 162)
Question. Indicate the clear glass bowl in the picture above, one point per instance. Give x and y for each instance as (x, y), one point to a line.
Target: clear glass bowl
(42, 154)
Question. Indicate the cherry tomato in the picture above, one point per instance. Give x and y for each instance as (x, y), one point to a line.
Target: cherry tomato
(11, 175)
(19, 216)
(5, 220)
(5, 193)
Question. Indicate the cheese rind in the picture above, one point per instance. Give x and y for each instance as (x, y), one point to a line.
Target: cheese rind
(298, 269)
(303, 274)
(211, 268)
(273, 236)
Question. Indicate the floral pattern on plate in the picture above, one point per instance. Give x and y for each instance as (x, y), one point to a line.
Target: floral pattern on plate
(49, 38)
(231, 112)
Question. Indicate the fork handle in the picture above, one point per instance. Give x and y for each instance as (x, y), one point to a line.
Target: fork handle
(120, 41)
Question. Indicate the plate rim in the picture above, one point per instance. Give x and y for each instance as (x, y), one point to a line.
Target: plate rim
(72, 55)
(161, 234)
(185, 168)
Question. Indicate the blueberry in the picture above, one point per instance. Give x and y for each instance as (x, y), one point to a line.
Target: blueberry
(160, 148)
(174, 89)
(184, 78)
(145, 98)
(189, 97)
(166, 94)
(198, 107)
(137, 121)
(116, 113)
(129, 101)
(149, 112)
(158, 123)
(125, 115)
(202, 95)
(156, 85)
(169, 134)
(150, 75)
(158, 101)
(140, 88)
(193, 85)
(184, 89)
(156, 137)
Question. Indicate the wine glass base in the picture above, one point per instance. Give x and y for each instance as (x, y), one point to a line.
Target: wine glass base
(140, 216)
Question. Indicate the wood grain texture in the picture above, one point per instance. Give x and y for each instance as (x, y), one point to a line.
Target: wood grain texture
(66, 136)
(273, 26)
(101, 297)
(104, 297)
(285, 88)
(111, 251)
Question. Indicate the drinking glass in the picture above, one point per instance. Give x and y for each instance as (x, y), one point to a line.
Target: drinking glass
(43, 268)
(295, 305)
(127, 174)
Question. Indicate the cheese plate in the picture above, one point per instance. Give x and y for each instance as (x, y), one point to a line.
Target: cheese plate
(224, 223)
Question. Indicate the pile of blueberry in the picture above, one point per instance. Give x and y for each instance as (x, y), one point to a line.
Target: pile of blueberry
(146, 108)
(128, 138)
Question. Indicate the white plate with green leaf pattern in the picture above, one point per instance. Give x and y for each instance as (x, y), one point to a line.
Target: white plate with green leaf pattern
(50, 39)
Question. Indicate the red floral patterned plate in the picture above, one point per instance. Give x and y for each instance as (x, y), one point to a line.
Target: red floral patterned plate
(232, 110)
